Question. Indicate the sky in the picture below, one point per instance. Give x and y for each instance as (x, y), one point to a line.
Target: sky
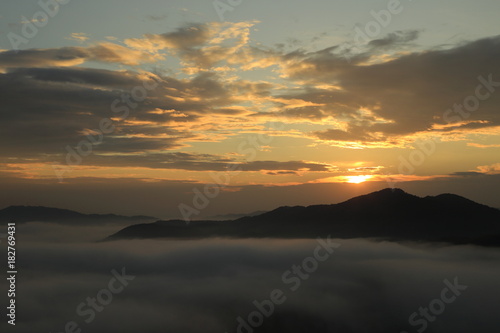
(197, 108)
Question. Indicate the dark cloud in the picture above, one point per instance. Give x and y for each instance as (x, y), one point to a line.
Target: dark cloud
(79, 76)
(354, 134)
(280, 173)
(201, 46)
(46, 109)
(285, 166)
(71, 56)
(187, 37)
(189, 161)
(394, 39)
(411, 92)
(305, 113)
(42, 57)
(467, 174)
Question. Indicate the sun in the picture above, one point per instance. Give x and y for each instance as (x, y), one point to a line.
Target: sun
(358, 179)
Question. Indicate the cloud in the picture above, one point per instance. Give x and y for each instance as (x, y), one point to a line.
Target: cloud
(200, 46)
(67, 56)
(281, 173)
(398, 38)
(114, 53)
(409, 93)
(79, 36)
(204, 286)
(66, 104)
(354, 134)
(129, 153)
(490, 169)
(157, 17)
(73, 56)
(373, 101)
(480, 145)
(288, 166)
(467, 174)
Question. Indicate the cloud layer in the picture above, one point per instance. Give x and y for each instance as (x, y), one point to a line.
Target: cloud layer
(195, 286)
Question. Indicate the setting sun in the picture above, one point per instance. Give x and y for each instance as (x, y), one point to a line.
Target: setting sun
(358, 179)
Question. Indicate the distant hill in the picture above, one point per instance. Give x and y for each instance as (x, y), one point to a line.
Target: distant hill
(226, 217)
(387, 214)
(23, 214)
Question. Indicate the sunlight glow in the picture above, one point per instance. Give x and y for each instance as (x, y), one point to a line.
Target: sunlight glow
(358, 179)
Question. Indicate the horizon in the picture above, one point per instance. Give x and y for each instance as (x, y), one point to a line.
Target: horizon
(249, 213)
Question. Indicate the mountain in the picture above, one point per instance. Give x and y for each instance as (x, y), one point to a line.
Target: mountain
(387, 214)
(226, 217)
(22, 214)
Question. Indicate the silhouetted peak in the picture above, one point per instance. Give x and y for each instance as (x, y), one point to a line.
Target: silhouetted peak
(385, 196)
(454, 199)
(389, 191)
(450, 196)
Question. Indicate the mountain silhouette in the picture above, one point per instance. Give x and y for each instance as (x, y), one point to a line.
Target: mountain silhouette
(390, 214)
(23, 214)
(225, 217)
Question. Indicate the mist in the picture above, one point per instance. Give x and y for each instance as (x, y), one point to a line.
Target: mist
(213, 285)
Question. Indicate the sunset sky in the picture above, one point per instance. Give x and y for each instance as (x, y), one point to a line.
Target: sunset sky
(134, 107)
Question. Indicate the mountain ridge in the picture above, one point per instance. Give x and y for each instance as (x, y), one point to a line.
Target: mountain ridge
(23, 214)
(386, 214)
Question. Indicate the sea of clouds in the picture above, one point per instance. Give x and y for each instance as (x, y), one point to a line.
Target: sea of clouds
(213, 285)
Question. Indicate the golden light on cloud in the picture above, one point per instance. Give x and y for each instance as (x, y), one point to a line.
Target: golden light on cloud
(358, 179)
